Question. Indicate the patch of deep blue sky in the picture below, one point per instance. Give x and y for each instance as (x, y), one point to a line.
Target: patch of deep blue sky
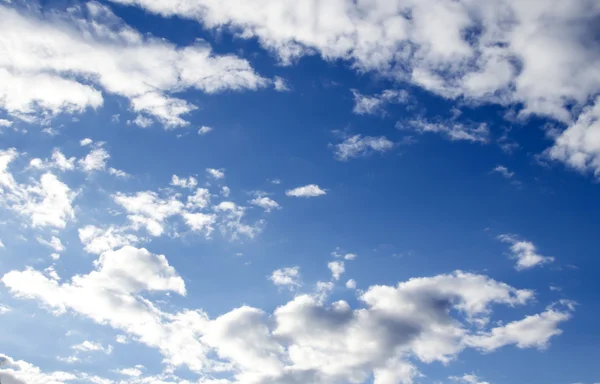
(422, 209)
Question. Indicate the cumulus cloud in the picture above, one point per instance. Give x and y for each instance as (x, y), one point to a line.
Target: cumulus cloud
(502, 170)
(265, 203)
(455, 131)
(46, 55)
(375, 104)
(357, 145)
(204, 130)
(95, 160)
(286, 277)
(468, 379)
(97, 240)
(525, 252)
(216, 173)
(310, 190)
(306, 339)
(183, 182)
(85, 142)
(90, 346)
(337, 268)
(54, 243)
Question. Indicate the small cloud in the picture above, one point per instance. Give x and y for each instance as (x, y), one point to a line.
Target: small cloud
(183, 182)
(141, 121)
(502, 170)
(216, 173)
(54, 243)
(265, 203)
(286, 277)
(118, 173)
(337, 268)
(375, 104)
(525, 252)
(454, 131)
(50, 131)
(359, 146)
(280, 84)
(5, 123)
(4, 309)
(311, 190)
(351, 284)
(203, 130)
(86, 141)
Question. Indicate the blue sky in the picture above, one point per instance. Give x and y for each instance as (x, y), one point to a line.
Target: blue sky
(279, 192)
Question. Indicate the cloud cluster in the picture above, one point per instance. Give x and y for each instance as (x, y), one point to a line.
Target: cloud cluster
(63, 62)
(306, 339)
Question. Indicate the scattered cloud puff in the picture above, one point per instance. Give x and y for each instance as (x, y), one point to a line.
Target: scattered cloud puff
(468, 379)
(85, 142)
(92, 43)
(203, 130)
(265, 203)
(182, 182)
(455, 131)
(351, 284)
(311, 190)
(502, 170)
(54, 243)
(216, 173)
(357, 146)
(286, 277)
(95, 160)
(281, 85)
(375, 104)
(337, 268)
(525, 252)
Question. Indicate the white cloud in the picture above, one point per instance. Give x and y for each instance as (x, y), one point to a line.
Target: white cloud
(225, 191)
(4, 309)
(190, 182)
(203, 130)
(5, 123)
(477, 133)
(95, 160)
(265, 203)
(351, 284)
(578, 146)
(199, 200)
(358, 145)
(131, 372)
(337, 269)
(90, 346)
(50, 52)
(200, 222)
(54, 243)
(503, 171)
(525, 252)
(57, 161)
(281, 84)
(121, 339)
(146, 209)
(286, 277)
(468, 379)
(216, 173)
(97, 240)
(22, 372)
(85, 142)
(2, 245)
(372, 105)
(118, 173)
(142, 121)
(311, 190)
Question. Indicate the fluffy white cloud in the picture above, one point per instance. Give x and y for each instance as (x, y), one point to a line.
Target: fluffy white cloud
(95, 160)
(286, 277)
(579, 145)
(477, 133)
(468, 379)
(45, 56)
(91, 346)
(85, 142)
(310, 190)
(375, 104)
(148, 210)
(182, 182)
(306, 339)
(503, 171)
(281, 84)
(358, 145)
(97, 240)
(216, 173)
(21, 372)
(131, 372)
(337, 269)
(54, 243)
(5, 123)
(203, 130)
(525, 252)
(351, 284)
(57, 161)
(516, 56)
(265, 203)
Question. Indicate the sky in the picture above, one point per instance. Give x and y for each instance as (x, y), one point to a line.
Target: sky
(294, 192)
